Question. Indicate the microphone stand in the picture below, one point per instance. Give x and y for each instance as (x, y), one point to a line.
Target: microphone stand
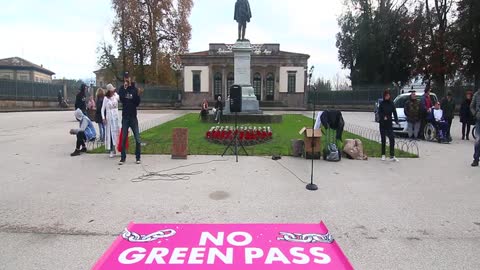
(312, 186)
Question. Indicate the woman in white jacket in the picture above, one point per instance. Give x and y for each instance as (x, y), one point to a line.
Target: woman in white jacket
(111, 119)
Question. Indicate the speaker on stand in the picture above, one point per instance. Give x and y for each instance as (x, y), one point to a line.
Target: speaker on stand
(235, 107)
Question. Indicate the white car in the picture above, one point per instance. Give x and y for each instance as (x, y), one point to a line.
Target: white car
(400, 105)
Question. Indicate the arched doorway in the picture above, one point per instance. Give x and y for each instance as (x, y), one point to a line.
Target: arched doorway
(270, 87)
(257, 85)
(217, 85)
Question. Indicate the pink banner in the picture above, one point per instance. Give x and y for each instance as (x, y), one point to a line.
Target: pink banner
(221, 247)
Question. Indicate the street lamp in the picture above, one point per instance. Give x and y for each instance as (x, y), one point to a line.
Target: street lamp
(177, 67)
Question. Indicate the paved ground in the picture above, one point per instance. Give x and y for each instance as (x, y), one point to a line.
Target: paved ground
(58, 212)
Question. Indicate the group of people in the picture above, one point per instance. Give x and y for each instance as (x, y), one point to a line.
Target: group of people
(108, 118)
(441, 114)
(217, 110)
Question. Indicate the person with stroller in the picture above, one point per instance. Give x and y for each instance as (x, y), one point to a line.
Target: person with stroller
(438, 118)
(448, 107)
(466, 117)
(385, 111)
(413, 113)
(475, 108)
(85, 133)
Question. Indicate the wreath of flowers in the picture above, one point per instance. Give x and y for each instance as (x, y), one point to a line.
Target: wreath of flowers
(246, 134)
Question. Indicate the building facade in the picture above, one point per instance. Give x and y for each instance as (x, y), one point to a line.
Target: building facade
(17, 68)
(278, 77)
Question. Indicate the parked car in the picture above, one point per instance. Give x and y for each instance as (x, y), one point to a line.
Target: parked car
(399, 102)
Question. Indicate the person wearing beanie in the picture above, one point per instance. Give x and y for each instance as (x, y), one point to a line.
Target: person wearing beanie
(85, 133)
(448, 107)
(131, 100)
(81, 99)
(385, 111)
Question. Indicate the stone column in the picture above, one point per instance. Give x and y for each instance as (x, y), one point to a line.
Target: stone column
(242, 51)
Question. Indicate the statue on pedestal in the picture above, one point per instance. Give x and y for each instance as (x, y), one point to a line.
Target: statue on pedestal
(243, 14)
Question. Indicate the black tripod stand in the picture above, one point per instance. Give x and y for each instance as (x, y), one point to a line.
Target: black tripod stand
(235, 142)
(312, 186)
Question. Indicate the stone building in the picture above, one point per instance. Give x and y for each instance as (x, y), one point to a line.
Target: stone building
(278, 77)
(16, 68)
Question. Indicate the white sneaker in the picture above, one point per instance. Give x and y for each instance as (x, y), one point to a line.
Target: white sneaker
(139, 162)
(112, 154)
(394, 159)
(384, 158)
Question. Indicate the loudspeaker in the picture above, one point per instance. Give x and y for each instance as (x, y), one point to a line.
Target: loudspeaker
(236, 98)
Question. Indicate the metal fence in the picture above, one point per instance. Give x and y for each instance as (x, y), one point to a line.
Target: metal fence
(355, 97)
(159, 94)
(28, 90)
(368, 95)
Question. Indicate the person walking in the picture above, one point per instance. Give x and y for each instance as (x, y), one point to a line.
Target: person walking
(412, 111)
(110, 118)
(131, 100)
(60, 98)
(386, 111)
(448, 107)
(98, 114)
(475, 108)
(81, 99)
(466, 116)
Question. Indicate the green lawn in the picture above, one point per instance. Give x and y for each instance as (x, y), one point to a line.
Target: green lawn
(159, 139)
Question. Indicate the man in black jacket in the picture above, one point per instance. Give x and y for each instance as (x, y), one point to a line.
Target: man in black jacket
(386, 111)
(81, 99)
(131, 100)
(448, 108)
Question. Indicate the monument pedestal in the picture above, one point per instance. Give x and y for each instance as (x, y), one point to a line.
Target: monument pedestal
(242, 51)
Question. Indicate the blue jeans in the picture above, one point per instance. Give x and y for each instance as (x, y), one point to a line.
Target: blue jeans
(101, 128)
(476, 155)
(132, 123)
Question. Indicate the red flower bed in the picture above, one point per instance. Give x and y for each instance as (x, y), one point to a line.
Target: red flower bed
(247, 135)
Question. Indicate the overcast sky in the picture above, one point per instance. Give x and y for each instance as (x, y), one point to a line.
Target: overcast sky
(64, 35)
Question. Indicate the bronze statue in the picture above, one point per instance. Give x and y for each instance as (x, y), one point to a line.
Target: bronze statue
(243, 14)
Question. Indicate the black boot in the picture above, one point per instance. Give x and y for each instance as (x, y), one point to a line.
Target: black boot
(475, 163)
(75, 153)
(83, 150)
